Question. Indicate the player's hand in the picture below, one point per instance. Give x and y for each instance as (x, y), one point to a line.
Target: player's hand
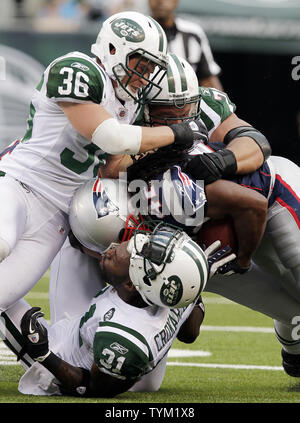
(232, 267)
(218, 257)
(186, 133)
(210, 167)
(35, 335)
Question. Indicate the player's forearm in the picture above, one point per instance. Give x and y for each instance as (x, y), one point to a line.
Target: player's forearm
(153, 138)
(248, 155)
(190, 329)
(249, 226)
(70, 377)
(248, 210)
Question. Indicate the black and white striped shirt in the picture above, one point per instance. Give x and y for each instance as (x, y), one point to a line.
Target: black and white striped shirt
(188, 40)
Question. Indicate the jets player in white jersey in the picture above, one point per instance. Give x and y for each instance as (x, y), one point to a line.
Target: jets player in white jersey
(81, 111)
(122, 340)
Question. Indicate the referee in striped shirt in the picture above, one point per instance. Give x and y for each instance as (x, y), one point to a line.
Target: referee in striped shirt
(188, 40)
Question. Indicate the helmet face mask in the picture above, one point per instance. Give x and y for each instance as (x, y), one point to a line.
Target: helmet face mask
(179, 88)
(124, 36)
(152, 73)
(167, 268)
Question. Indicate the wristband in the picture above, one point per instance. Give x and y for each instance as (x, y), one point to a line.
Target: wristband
(200, 304)
(51, 361)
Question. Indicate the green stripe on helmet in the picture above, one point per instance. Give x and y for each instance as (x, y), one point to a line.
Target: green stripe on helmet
(161, 34)
(181, 72)
(171, 82)
(200, 251)
(191, 253)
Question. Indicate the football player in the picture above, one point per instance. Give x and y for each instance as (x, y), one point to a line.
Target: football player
(82, 111)
(122, 340)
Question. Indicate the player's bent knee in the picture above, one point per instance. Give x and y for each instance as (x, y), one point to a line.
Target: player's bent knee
(4, 249)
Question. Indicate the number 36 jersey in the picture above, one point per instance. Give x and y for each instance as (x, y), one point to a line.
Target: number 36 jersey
(52, 157)
(126, 342)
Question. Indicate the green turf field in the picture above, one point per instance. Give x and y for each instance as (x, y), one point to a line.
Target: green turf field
(236, 359)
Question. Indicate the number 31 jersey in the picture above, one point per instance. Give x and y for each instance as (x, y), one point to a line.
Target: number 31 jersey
(52, 157)
(126, 342)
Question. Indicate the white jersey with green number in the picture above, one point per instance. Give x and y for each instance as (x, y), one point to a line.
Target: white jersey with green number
(52, 157)
(125, 341)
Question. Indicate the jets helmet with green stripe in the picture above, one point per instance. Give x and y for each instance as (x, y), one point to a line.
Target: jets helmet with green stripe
(129, 35)
(167, 268)
(179, 88)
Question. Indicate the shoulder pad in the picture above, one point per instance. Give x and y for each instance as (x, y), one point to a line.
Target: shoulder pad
(76, 78)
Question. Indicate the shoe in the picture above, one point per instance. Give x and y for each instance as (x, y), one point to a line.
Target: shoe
(291, 363)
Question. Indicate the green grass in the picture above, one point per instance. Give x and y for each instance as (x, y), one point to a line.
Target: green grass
(196, 384)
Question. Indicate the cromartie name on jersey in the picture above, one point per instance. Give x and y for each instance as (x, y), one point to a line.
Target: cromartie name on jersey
(165, 335)
(129, 29)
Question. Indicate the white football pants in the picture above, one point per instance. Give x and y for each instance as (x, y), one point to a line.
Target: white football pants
(34, 230)
(74, 274)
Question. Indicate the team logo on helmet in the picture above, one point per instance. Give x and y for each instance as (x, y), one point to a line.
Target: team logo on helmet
(171, 291)
(129, 29)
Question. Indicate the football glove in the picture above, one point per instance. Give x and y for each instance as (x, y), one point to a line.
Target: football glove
(210, 167)
(35, 335)
(218, 257)
(186, 133)
(232, 267)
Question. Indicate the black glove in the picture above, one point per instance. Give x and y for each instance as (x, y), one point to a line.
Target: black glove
(218, 257)
(232, 267)
(187, 132)
(212, 166)
(35, 335)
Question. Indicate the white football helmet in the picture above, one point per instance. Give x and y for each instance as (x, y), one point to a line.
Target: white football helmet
(179, 87)
(166, 267)
(98, 214)
(127, 34)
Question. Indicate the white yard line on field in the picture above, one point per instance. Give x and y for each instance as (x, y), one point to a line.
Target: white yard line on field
(225, 366)
(255, 329)
(37, 296)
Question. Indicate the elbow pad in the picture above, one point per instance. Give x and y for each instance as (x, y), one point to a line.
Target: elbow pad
(115, 138)
(249, 131)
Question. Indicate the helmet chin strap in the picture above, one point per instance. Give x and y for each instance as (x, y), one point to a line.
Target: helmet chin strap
(122, 94)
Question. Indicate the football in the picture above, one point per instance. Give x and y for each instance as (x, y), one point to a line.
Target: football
(222, 230)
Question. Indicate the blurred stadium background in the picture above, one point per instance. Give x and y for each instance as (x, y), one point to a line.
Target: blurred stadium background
(254, 41)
